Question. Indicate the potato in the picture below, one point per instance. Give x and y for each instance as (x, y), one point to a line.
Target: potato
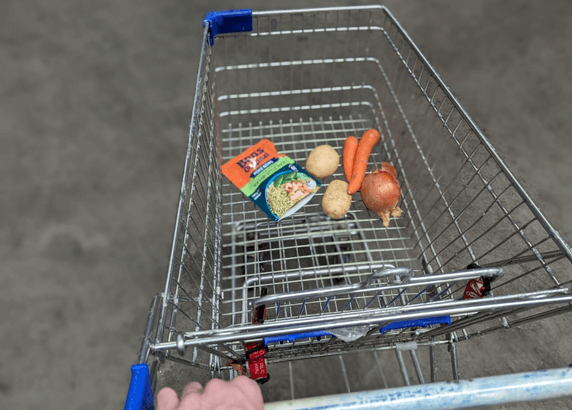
(336, 202)
(323, 161)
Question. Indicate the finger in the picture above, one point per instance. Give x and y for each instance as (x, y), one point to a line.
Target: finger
(240, 393)
(250, 390)
(193, 401)
(244, 382)
(192, 387)
(220, 395)
(167, 399)
(216, 387)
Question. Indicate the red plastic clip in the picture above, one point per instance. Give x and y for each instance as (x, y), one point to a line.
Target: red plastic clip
(477, 288)
(258, 372)
(474, 289)
(255, 351)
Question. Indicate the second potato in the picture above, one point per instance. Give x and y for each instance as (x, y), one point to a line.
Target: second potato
(336, 202)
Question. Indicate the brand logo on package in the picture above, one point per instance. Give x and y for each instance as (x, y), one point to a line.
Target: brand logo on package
(249, 163)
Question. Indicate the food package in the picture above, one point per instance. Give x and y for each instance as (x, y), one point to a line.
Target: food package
(273, 181)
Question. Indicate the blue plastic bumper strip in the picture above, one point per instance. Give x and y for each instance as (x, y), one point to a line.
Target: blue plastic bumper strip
(404, 324)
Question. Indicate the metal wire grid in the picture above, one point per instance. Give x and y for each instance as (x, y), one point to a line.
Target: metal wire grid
(356, 371)
(455, 200)
(308, 250)
(190, 299)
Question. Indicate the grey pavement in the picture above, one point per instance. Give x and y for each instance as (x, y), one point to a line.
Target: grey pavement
(95, 102)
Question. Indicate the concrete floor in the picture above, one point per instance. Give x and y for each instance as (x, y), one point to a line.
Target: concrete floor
(95, 101)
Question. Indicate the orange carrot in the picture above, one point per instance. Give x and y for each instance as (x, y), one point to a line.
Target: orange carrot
(366, 143)
(350, 148)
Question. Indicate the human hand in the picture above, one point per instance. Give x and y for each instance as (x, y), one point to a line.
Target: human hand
(241, 393)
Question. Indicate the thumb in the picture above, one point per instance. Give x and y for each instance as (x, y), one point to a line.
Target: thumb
(167, 399)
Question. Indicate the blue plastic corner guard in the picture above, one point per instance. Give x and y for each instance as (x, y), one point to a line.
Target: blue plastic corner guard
(140, 395)
(405, 324)
(295, 336)
(229, 21)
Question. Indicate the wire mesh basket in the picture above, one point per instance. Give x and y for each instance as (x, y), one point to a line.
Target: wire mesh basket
(303, 78)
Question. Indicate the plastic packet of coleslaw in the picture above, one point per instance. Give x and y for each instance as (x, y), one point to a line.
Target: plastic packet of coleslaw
(273, 181)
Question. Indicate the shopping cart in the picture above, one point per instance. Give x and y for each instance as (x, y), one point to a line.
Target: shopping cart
(318, 289)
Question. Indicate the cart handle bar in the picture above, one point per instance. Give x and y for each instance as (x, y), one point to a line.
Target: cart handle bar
(520, 387)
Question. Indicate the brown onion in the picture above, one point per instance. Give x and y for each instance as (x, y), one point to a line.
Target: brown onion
(390, 169)
(380, 192)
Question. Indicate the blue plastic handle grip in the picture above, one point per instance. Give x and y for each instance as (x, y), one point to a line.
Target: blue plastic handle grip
(295, 336)
(229, 21)
(140, 395)
(405, 324)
